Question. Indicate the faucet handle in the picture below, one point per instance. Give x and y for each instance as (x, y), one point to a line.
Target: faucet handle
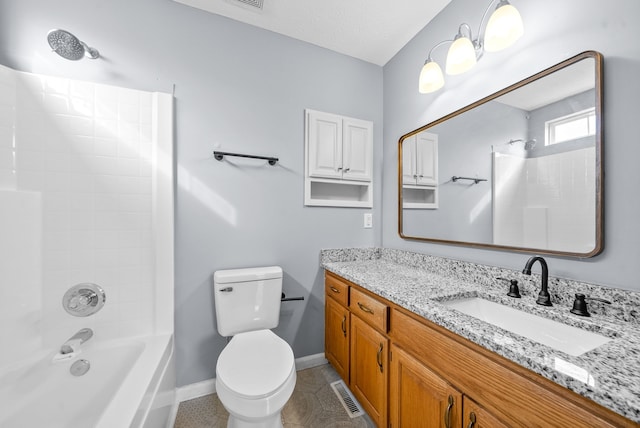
(580, 304)
(84, 299)
(514, 291)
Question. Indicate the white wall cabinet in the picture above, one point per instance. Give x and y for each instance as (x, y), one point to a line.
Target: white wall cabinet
(420, 171)
(420, 160)
(339, 160)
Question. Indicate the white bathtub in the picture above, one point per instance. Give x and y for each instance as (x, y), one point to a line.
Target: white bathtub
(130, 384)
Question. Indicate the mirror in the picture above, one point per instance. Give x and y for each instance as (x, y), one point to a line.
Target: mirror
(518, 170)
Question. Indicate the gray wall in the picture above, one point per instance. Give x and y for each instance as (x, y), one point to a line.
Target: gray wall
(554, 31)
(238, 89)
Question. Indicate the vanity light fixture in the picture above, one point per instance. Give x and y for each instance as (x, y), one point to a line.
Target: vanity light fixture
(503, 29)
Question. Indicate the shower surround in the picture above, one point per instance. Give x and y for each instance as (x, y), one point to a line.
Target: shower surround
(86, 195)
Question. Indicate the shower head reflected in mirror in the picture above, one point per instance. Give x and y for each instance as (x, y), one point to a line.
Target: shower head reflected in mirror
(69, 46)
(528, 144)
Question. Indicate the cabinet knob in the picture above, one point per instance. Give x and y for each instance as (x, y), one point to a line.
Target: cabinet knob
(334, 289)
(347, 169)
(344, 326)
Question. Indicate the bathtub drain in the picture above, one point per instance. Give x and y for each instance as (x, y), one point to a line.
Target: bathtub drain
(80, 367)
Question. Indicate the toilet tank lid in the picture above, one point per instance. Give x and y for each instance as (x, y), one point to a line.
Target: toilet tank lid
(247, 274)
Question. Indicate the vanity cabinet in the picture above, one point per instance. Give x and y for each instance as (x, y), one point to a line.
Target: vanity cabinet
(498, 391)
(420, 398)
(336, 332)
(339, 160)
(407, 371)
(356, 344)
(474, 416)
(369, 353)
(369, 377)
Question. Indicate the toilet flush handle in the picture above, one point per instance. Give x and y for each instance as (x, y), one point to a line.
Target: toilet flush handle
(226, 290)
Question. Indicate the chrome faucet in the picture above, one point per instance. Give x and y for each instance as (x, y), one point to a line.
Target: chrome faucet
(543, 296)
(74, 342)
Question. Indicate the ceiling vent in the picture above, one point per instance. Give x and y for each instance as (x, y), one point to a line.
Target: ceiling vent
(249, 4)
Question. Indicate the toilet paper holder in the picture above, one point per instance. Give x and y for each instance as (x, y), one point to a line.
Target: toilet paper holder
(284, 298)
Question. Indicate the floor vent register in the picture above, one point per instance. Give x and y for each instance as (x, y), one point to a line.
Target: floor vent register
(350, 404)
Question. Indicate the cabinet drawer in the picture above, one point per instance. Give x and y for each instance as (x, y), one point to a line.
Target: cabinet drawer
(337, 289)
(374, 312)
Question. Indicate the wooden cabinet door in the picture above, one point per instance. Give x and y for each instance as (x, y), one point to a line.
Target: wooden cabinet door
(475, 416)
(418, 397)
(336, 337)
(324, 141)
(368, 376)
(357, 149)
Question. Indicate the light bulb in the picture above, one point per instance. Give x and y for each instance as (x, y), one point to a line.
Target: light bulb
(504, 28)
(461, 56)
(431, 78)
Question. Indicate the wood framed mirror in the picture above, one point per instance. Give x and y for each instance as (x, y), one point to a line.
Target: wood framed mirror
(518, 170)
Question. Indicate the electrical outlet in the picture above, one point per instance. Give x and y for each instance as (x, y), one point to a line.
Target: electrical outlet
(368, 220)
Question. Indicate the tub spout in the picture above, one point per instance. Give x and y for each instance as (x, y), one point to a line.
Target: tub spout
(74, 342)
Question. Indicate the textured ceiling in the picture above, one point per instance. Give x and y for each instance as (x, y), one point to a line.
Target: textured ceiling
(371, 30)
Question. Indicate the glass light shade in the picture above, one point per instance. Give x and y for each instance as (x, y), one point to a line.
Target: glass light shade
(431, 78)
(461, 56)
(503, 29)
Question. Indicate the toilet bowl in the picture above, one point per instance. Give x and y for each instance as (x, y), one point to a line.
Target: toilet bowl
(255, 376)
(255, 373)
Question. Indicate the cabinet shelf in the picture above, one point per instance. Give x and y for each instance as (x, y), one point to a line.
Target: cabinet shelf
(419, 197)
(333, 193)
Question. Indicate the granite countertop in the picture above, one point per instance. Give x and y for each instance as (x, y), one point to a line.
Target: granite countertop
(608, 374)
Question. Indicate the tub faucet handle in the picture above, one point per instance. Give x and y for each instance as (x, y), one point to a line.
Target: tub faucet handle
(84, 299)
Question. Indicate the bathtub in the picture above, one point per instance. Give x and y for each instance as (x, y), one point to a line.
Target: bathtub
(130, 384)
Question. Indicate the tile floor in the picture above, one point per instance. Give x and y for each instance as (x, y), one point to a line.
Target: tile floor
(312, 405)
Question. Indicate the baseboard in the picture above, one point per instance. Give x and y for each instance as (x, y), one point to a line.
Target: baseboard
(196, 390)
(206, 387)
(310, 361)
(172, 416)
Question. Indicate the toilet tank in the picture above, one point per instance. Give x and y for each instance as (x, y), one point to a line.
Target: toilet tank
(247, 299)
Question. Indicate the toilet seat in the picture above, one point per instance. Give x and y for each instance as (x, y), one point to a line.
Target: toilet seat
(255, 364)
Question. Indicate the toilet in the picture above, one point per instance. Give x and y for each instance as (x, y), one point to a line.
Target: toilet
(255, 373)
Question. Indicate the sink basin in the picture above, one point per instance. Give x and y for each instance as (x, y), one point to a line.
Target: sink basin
(562, 337)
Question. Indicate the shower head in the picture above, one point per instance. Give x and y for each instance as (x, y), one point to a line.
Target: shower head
(69, 46)
(528, 144)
